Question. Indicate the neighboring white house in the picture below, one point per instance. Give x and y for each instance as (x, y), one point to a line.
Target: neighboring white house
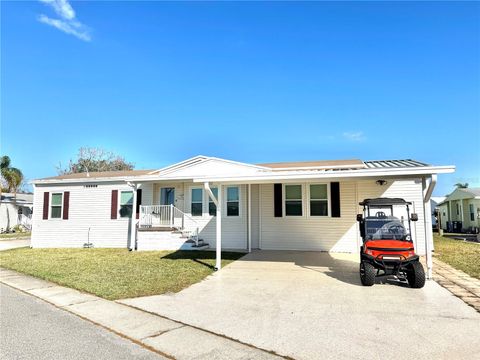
(434, 201)
(309, 206)
(460, 211)
(15, 210)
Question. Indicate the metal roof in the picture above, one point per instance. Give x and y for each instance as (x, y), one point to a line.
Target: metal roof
(407, 163)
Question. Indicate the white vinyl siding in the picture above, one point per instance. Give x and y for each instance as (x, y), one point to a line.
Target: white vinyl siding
(234, 228)
(89, 217)
(322, 233)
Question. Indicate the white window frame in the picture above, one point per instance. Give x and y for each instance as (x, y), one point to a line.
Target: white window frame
(225, 201)
(61, 205)
(284, 200)
(309, 199)
(119, 206)
(191, 201)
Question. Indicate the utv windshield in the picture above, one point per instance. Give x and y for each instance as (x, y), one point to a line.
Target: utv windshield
(387, 223)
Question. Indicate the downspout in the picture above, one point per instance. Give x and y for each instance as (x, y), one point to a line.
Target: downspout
(427, 220)
(133, 225)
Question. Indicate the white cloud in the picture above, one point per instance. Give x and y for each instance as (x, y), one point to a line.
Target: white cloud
(354, 136)
(67, 22)
(62, 8)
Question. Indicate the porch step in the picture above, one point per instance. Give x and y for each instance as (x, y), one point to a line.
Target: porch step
(201, 246)
(157, 228)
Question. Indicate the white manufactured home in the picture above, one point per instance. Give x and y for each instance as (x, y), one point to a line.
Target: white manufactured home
(206, 202)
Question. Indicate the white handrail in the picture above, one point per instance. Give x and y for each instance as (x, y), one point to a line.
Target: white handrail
(168, 216)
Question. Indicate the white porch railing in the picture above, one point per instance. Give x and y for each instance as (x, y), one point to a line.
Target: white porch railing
(168, 216)
(25, 221)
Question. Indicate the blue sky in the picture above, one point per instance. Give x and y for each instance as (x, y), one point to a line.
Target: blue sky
(159, 82)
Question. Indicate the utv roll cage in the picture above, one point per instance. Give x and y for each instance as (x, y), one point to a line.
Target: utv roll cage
(373, 223)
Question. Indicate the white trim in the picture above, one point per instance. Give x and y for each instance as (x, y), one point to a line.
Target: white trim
(260, 211)
(185, 163)
(191, 188)
(218, 228)
(284, 200)
(51, 205)
(249, 222)
(264, 174)
(240, 213)
(328, 200)
(119, 205)
(306, 175)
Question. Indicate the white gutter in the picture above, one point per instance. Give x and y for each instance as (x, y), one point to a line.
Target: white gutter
(431, 186)
(269, 177)
(263, 176)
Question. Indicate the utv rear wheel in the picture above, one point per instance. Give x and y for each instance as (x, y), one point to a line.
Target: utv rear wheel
(416, 275)
(367, 273)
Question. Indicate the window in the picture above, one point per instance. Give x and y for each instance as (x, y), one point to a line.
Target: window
(318, 200)
(458, 209)
(197, 202)
(126, 204)
(293, 200)
(472, 213)
(212, 208)
(56, 208)
(233, 201)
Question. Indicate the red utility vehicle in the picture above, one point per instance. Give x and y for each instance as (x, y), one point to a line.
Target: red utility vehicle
(385, 227)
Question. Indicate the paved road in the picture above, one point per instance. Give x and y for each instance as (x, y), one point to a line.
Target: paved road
(32, 329)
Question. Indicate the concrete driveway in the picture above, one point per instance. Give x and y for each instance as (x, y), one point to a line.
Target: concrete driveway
(311, 305)
(8, 244)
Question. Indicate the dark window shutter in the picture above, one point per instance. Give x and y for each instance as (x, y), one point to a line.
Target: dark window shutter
(113, 212)
(277, 200)
(335, 199)
(46, 197)
(66, 204)
(139, 202)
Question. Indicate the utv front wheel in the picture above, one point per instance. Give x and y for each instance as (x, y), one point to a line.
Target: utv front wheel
(416, 275)
(367, 273)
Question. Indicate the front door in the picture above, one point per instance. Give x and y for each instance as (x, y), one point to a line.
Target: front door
(167, 196)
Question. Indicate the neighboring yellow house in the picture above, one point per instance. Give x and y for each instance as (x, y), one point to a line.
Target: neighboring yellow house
(460, 212)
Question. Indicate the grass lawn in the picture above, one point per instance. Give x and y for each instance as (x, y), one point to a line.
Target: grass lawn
(14, 235)
(461, 255)
(116, 273)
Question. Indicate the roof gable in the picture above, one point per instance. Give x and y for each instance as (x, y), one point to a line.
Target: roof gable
(201, 166)
(468, 193)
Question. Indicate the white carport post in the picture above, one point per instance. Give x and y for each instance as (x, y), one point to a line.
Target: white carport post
(427, 216)
(218, 203)
(133, 225)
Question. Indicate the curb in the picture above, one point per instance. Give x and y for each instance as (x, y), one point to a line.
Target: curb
(166, 337)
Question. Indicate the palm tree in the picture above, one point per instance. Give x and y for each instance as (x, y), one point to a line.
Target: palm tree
(461, 185)
(12, 176)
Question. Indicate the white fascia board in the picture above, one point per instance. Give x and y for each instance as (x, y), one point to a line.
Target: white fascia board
(169, 168)
(268, 178)
(241, 163)
(82, 180)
